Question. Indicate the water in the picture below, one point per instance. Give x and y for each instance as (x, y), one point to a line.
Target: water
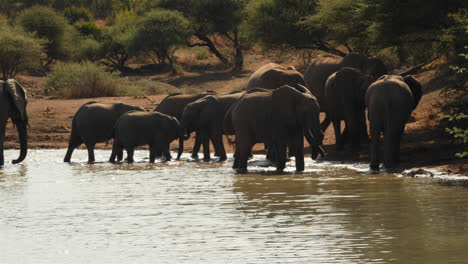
(198, 212)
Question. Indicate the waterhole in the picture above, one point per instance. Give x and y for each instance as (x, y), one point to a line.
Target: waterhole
(203, 212)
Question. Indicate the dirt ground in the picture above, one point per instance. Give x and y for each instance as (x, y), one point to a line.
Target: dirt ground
(424, 143)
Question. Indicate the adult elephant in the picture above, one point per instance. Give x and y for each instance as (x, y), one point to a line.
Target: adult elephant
(174, 105)
(13, 101)
(345, 92)
(205, 116)
(390, 101)
(317, 73)
(277, 118)
(155, 129)
(272, 76)
(94, 123)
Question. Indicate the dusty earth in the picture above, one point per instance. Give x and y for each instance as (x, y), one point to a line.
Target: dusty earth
(424, 143)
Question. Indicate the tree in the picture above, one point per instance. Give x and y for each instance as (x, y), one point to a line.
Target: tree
(19, 51)
(277, 22)
(45, 23)
(117, 40)
(158, 34)
(209, 18)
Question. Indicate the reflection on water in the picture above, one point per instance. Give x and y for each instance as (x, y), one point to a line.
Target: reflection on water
(198, 212)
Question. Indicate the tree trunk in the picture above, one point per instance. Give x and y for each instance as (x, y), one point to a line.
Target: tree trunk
(239, 59)
(212, 47)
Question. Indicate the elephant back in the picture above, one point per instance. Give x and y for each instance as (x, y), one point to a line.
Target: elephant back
(174, 105)
(272, 76)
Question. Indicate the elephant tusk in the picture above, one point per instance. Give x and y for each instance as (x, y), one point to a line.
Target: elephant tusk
(310, 133)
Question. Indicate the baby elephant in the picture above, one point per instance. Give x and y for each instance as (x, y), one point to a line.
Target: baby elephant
(155, 129)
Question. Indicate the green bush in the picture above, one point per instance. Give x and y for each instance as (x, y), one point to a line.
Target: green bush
(89, 29)
(81, 80)
(75, 14)
(19, 51)
(88, 50)
(47, 24)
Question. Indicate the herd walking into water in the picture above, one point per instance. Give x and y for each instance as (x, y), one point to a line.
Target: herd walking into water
(279, 107)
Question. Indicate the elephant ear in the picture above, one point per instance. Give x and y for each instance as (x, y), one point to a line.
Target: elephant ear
(416, 89)
(19, 97)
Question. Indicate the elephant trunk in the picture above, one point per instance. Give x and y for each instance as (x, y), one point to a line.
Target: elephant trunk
(315, 143)
(23, 137)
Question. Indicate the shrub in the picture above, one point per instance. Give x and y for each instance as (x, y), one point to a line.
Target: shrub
(47, 24)
(19, 51)
(88, 50)
(81, 80)
(89, 29)
(75, 14)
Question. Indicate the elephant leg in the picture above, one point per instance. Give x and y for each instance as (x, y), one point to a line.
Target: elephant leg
(217, 139)
(243, 149)
(2, 139)
(115, 152)
(374, 148)
(325, 123)
(281, 156)
(338, 136)
(166, 152)
(206, 147)
(120, 154)
(90, 147)
(130, 151)
(73, 143)
(152, 151)
(299, 152)
(391, 147)
(196, 145)
(363, 127)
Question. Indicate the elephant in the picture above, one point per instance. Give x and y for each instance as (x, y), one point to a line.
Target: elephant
(93, 123)
(345, 92)
(317, 73)
(390, 101)
(13, 101)
(174, 105)
(205, 117)
(277, 118)
(271, 76)
(136, 128)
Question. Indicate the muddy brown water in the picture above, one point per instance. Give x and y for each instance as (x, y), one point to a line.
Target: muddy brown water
(199, 212)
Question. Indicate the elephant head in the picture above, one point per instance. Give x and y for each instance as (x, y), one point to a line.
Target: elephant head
(415, 87)
(13, 104)
(371, 66)
(194, 116)
(297, 109)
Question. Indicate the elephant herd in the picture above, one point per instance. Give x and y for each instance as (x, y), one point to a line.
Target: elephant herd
(279, 107)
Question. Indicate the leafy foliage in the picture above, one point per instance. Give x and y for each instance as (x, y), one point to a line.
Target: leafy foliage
(19, 51)
(81, 80)
(158, 34)
(49, 25)
(75, 14)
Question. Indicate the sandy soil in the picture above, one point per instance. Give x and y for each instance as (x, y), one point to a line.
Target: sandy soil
(424, 143)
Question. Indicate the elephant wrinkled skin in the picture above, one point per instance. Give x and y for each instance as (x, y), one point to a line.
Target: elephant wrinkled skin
(277, 118)
(155, 129)
(317, 73)
(94, 123)
(390, 101)
(344, 93)
(205, 117)
(13, 101)
(272, 76)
